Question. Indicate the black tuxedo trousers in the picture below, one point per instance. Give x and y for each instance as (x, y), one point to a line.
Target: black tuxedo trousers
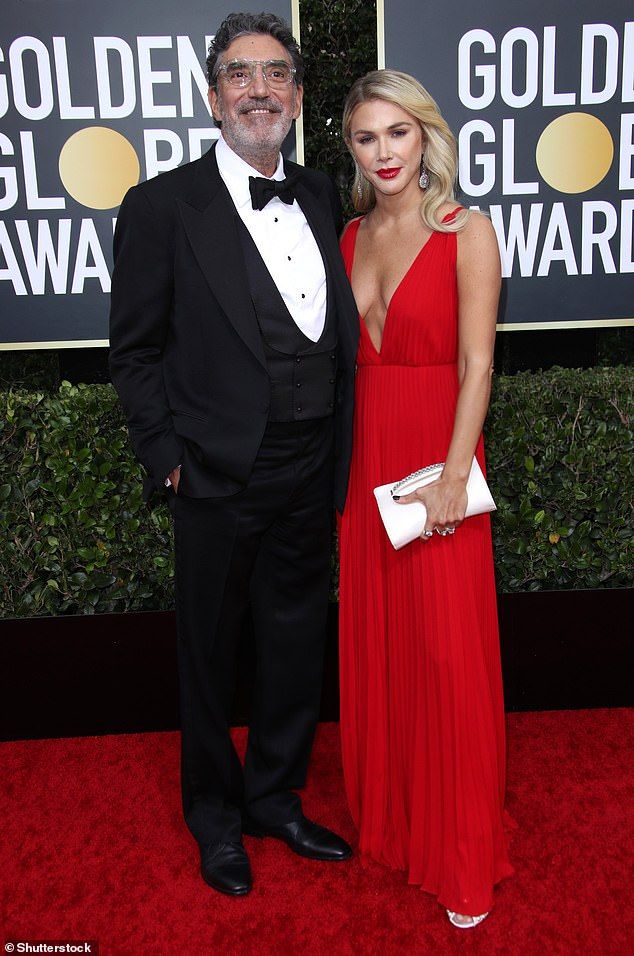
(267, 547)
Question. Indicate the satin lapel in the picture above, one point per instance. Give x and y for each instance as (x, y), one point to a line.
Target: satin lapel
(209, 219)
(313, 208)
(317, 212)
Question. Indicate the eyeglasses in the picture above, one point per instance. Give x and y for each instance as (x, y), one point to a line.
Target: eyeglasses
(241, 73)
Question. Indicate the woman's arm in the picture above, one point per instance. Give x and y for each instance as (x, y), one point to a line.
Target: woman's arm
(478, 276)
(478, 273)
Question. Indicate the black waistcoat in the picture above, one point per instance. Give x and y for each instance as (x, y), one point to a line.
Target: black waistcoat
(302, 372)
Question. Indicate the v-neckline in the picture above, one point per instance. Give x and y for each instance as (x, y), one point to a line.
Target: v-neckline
(362, 321)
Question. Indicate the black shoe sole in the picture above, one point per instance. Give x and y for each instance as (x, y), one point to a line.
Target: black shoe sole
(225, 890)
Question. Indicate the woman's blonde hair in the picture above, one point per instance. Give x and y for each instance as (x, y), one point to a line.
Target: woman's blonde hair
(440, 152)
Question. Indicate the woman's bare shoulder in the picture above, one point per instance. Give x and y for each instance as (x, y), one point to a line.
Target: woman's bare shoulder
(478, 250)
(477, 227)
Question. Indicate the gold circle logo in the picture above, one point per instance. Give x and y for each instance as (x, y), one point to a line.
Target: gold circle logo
(97, 166)
(574, 152)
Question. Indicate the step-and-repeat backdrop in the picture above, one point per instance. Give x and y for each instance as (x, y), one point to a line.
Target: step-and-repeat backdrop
(94, 97)
(541, 99)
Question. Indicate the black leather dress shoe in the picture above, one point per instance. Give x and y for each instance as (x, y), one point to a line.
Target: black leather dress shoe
(225, 867)
(304, 838)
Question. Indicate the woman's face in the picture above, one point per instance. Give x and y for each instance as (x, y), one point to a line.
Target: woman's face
(387, 143)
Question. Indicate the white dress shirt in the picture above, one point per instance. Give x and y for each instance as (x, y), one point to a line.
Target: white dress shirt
(284, 240)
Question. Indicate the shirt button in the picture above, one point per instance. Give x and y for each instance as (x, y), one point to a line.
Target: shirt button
(303, 296)
(298, 359)
(299, 384)
(276, 219)
(333, 356)
(331, 404)
(289, 258)
(299, 408)
(332, 381)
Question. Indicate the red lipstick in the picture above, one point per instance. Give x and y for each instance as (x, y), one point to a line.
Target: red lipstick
(389, 173)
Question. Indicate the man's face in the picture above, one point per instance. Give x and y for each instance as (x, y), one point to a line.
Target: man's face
(255, 118)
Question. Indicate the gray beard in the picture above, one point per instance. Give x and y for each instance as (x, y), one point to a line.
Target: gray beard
(258, 147)
(251, 145)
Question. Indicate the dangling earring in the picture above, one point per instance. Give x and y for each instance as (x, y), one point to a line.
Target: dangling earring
(359, 179)
(423, 181)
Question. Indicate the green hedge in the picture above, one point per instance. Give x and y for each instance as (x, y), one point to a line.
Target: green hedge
(339, 45)
(79, 538)
(561, 469)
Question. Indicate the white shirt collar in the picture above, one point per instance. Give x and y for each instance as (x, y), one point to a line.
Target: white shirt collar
(235, 173)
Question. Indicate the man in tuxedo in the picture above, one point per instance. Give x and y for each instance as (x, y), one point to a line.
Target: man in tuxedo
(233, 340)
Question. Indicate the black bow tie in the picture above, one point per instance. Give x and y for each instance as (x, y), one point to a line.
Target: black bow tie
(263, 190)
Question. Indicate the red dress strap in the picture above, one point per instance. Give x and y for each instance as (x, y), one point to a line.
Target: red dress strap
(450, 216)
(348, 241)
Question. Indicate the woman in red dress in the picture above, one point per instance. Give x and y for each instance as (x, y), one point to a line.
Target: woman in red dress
(422, 716)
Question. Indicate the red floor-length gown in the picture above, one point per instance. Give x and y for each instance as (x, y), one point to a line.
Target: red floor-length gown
(422, 717)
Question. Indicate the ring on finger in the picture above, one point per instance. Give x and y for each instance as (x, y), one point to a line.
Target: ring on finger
(443, 532)
(428, 534)
(450, 530)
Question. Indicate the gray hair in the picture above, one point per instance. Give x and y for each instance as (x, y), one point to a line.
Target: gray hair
(245, 24)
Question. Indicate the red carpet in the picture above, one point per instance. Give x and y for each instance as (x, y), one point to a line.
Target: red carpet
(94, 848)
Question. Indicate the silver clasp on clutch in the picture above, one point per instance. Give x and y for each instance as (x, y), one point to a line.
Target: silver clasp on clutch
(416, 474)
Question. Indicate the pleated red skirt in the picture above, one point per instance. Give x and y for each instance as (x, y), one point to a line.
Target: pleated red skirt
(422, 714)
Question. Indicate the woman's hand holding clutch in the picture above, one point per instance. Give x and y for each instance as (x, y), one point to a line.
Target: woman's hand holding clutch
(437, 500)
(445, 502)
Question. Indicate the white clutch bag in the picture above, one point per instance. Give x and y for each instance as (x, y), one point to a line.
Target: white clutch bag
(405, 523)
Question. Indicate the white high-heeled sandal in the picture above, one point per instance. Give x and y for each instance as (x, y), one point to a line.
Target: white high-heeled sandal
(473, 920)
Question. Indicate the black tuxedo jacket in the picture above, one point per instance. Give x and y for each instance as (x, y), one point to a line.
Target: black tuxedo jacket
(186, 354)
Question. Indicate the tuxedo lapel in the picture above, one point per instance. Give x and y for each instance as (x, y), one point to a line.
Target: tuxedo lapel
(312, 206)
(209, 219)
(317, 208)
